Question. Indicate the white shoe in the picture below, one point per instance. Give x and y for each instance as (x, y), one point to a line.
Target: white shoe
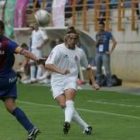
(45, 81)
(88, 130)
(26, 81)
(79, 88)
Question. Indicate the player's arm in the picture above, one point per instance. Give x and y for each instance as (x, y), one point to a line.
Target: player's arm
(52, 68)
(114, 44)
(45, 40)
(29, 55)
(43, 43)
(84, 63)
(92, 79)
(26, 53)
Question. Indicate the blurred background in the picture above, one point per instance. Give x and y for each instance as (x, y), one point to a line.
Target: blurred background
(122, 18)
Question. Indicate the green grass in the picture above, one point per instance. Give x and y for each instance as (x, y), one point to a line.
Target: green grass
(113, 115)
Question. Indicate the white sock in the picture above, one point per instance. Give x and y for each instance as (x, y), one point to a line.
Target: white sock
(32, 69)
(39, 71)
(79, 120)
(69, 111)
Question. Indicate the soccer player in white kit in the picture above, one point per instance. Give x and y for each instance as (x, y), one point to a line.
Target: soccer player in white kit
(38, 39)
(64, 62)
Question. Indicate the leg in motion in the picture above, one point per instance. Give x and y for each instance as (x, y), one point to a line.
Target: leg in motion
(21, 118)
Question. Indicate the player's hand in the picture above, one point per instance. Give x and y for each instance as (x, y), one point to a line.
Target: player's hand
(41, 60)
(95, 86)
(65, 72)
(99, 40)
(108, 52)
(22, 69)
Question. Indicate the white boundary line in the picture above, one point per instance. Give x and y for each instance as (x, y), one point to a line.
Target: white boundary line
(108, 103)
(85, 110)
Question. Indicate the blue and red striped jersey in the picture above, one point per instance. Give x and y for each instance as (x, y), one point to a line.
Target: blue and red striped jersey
(7, 59)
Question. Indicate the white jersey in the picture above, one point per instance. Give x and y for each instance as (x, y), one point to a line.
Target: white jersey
(37, 38)
(64, 58)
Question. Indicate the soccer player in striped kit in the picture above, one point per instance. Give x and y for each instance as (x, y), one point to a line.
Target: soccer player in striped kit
(8, 78)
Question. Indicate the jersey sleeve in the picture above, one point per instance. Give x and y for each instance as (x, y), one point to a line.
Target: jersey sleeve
(14, 47)
(53, 57)
(110, 35)
(83, 60)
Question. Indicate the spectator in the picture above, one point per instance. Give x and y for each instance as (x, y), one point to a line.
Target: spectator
(103, 53)
(68, 9)
(136, 5)
(102, 10)
(49, 6)
(113, 3)
(38, 39)
(25, 66)
(58, 41)
(90, 4)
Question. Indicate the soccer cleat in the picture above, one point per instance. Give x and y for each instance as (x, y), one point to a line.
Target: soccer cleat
(66, 127)
(33, 134)
(88, 130)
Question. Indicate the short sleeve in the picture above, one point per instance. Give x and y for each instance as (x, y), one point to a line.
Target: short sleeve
(83, 60)
(53, 57)
(12, 45)
(110, 35)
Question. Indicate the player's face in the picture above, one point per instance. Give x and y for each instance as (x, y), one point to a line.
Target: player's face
(101, 27)
(31, 28)
(57, 41)
(35, 26)
(71, 41)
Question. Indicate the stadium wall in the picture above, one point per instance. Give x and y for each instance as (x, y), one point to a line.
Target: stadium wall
(125, 59)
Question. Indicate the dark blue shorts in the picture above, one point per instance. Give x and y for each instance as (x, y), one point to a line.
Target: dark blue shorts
(8, 87)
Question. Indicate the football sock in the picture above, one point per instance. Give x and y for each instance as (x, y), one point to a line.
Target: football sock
(76, 118)
(69, 110)
(22, 119)
(39, 71)
(33, 70)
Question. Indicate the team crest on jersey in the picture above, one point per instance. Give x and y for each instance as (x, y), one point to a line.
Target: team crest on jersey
(76, 58)
(65, 56)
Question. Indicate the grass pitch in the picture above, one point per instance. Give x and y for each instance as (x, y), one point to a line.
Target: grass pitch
(114, 116)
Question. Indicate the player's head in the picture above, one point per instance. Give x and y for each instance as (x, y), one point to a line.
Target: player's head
(58, 41)
(31, 26)
(1, 27)
(36, 26)
(71, 37)
(101, 26)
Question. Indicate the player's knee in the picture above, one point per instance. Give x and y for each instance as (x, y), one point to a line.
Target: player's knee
(69, 103)
(62, 105)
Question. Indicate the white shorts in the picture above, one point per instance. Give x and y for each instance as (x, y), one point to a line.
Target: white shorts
(59, 87)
